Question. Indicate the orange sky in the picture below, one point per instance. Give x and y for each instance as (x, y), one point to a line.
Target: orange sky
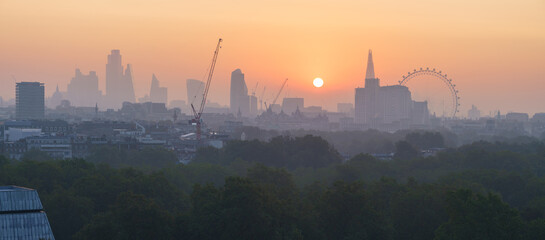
(493, 50)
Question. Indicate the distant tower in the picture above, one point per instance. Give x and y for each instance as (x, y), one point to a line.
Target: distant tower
(55, 99)
(29, 100)
(119, 86)
(195, 90)
(239, 99)
(83, 89)
(157, 94)
(366, 98)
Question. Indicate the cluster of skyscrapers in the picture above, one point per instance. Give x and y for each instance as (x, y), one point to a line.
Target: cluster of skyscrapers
(375, 106)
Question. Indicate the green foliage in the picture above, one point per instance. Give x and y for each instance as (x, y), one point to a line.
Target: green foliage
(282, 151)
(292, 188)
(405, 151)
(474, 216)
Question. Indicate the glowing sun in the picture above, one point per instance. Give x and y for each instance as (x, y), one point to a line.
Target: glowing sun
(318, 82)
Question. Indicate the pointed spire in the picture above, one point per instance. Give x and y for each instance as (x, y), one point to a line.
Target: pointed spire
(57, 88)
(370, 74)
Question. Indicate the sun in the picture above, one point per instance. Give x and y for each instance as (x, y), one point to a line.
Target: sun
(318, 82)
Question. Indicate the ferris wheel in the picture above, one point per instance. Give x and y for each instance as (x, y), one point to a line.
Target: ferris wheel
(415, 74)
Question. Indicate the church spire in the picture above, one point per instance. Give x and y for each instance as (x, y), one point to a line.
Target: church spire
(370, 74)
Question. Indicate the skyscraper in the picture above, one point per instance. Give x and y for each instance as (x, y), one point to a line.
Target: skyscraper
(195, 90)
(83, 89)
(376, 105)
(239, 99)
(157, 94)
(119, 86)
(366, 109)
(29, 100)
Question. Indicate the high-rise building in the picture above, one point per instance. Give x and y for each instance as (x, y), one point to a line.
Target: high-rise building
(29, 100)
(366, 105)
(119, 86)
(157, 94)
(195, 90)
(474, 113)
(83, 90)
(290, 105)
(239, 99)
(376, 105)
(253, 106)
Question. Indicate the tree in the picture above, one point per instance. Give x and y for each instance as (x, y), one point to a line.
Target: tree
(405, 151)
(474, 216)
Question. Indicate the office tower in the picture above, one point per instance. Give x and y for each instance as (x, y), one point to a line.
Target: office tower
(119, 86)
(157, 94)
(29, 100)
(474, 113)
(83, 90)
(420, 113)
(394, 104)
(376, 105)
(239, 99)
(366, 98)
(290, 105)
(253, 106)
(195, 90)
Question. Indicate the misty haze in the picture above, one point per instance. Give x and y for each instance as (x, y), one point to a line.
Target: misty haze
(282, 119)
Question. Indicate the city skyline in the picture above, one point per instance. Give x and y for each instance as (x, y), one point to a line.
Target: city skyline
(494, 51)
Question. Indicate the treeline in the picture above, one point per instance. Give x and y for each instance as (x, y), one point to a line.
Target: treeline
(293, 188)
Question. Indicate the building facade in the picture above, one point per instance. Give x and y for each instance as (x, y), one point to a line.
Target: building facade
(239, 99)
(119, 86)
(83, 90)
(29, 100)
(157, 93)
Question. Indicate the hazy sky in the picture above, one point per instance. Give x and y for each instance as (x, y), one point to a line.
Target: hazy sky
(494, 50)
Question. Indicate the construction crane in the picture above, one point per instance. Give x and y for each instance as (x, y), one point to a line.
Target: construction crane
(278, 94)
(261, 98)
(255, 88)
(197, 114)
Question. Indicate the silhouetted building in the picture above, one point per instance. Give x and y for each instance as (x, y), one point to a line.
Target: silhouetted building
(290, 105)
(22, 214)
(473, 113)
(119, 86)
(30, 102)
(347, 108)
(157, 94)
(518, 117)
(239, 99)
(195, 90)
(387, 107)
(83, 90)
(420, 114)
(366, 99)
(253, 106)
(55, 99)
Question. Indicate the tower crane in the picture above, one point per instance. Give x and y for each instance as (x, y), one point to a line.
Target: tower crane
(278, 94)
(255, 88)
(197, 114)
(261, 98)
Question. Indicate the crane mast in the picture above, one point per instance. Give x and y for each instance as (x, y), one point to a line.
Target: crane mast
(278, 94)
(197, 114)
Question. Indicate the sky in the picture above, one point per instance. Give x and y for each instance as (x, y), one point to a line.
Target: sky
(494, 50)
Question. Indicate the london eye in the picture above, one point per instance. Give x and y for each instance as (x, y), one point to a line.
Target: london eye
(436, 75)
